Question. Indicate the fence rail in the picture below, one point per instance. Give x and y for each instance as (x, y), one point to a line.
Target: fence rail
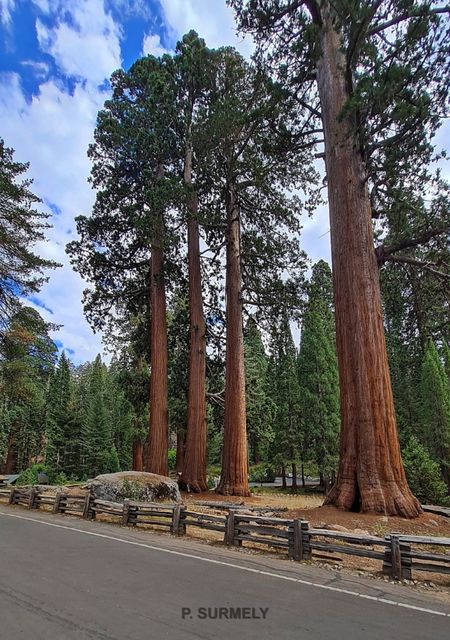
(400, 554)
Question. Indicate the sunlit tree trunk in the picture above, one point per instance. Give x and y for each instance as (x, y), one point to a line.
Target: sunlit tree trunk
(193, 475)
(371, 475)
(234, 474)
(158, 439)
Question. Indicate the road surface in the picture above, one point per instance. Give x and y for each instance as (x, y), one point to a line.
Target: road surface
(62, 578)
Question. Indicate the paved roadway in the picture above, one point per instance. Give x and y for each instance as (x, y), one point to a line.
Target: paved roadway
(62, 578)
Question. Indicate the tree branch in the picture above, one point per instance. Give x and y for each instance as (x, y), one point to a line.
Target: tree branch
(405, 16)
(428, 266)
(383, 252)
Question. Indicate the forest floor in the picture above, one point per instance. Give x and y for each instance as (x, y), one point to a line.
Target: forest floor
(309, 507)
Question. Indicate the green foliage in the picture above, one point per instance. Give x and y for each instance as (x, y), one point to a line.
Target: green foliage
(27, 355)
(172, 459)
(318, 374)
(423, 474)
(285, 394)
(260, 406)
(435, 409)
(262, 472)
(30, 475)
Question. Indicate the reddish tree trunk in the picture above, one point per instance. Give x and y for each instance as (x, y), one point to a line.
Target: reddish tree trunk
(137, 455)
(234, 474)
(193, 476)
(371, 475)
(158, 438)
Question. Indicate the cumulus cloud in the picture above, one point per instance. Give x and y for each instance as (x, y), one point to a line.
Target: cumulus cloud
(152, 46)
(85, 41)
(214, 22)
(52, 131)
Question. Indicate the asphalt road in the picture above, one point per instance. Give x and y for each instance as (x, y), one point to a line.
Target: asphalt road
(62, 578)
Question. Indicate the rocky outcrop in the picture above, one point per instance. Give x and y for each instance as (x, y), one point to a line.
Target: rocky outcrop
(136, 485)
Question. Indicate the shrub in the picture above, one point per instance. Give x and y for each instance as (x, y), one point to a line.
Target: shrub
(423, 474)
(30, 475)
(172, 459)
(131, 489)
(262, 472)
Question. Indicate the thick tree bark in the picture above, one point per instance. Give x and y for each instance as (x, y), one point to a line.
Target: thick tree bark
(193, 475)
(158, 438)
(303, 476)
(371, 476)
(234, 474)
(283, 476)
(137, 455)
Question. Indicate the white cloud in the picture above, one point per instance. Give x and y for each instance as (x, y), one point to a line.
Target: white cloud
(6, 9)
(152, 46)
(214, 21)
(86, 44)
(53, 131)
(40, 69)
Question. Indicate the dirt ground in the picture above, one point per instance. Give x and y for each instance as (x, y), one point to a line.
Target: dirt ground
(309, 507)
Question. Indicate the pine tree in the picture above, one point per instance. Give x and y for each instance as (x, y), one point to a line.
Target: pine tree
(287, 444)
(435, 409)
(21, 227)
(60, 420)
(102, 454)
(27, 358)
(260, 407)
(318, 374)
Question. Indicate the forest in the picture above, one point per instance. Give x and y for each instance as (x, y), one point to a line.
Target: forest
(232, 357)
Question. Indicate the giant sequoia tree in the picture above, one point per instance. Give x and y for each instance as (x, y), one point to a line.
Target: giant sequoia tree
(251, 137)
(372, 76)
(123, 244)
(193, 64)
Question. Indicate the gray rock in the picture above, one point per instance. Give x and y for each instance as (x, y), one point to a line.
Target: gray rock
(136, 485)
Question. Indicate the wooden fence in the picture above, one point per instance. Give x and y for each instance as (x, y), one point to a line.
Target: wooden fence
(400, 554)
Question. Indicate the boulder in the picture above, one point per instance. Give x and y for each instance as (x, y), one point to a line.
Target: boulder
(136, 485)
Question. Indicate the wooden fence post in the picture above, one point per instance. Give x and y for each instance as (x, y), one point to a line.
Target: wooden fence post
(125, 511)
(296, 548)
(176, 514)
(11, 496)
(33, 494)
(57, 501)
(396, 557)
(306, 537)
(405, 554)
(230, 527)
(87, 506)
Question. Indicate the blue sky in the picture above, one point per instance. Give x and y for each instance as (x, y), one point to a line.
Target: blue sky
(55, 60)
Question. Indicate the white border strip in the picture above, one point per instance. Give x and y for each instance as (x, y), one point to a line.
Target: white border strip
(308, 583)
